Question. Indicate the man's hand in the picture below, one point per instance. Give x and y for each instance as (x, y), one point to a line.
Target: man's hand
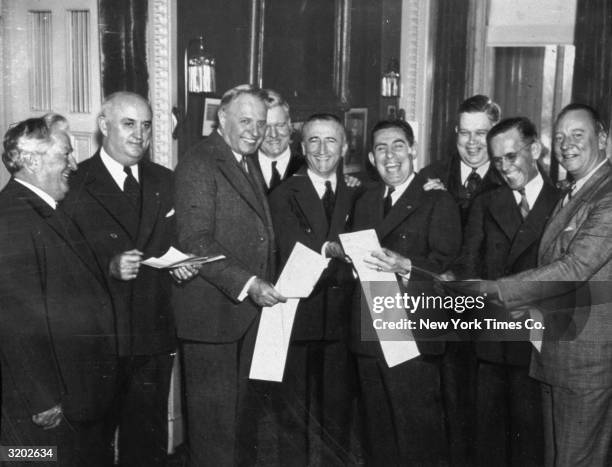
(351, 182)
(434, 184)
(389, 261)
(334, 250)
(184, 273)
(48, 419)
(447, 276)
(125, 266)
(264, 294)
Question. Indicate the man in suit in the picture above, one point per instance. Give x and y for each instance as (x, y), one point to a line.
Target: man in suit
(312, 208)
(468, 172)
(57, 338)
(275, 160)
(575, 251)
(222, 209)
(502, 237)
(122, 202)
(404, 415)
(465, 174)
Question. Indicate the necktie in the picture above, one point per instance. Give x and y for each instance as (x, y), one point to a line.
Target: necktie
(388, 204)
(275, 179)
(244, 165)
(570, 193)
(328, 200)
(131, 188)
(523, 204)
(472, 183)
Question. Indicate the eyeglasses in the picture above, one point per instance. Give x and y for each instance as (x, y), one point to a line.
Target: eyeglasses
(510, 157)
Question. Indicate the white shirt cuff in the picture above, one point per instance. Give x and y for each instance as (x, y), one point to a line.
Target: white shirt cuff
(245, 289)
(323, 249)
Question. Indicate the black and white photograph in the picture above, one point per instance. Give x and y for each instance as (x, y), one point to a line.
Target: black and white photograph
(310, 233)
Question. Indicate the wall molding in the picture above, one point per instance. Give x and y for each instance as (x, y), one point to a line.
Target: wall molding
(162, 79)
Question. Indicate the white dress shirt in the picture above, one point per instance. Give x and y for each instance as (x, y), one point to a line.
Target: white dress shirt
(399, 189)
(116, 169)
(265, 163)
(532, 190)
(466, 170)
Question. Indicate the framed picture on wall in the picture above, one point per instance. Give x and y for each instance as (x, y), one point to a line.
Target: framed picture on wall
(356, 124)
(211, 105)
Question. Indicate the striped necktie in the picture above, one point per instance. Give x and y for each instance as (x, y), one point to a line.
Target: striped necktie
(523, 204)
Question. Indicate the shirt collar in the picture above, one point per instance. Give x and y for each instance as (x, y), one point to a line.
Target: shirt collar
(466, 170)
(46, 197)
(265, 163)
(532, 190)
(399, 189)
(116, 169)
(319, 182)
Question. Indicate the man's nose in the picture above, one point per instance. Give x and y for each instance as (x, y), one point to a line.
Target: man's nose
(72, 162)
(271, 131)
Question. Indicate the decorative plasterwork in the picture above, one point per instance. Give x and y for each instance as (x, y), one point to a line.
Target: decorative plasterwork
(160, 64)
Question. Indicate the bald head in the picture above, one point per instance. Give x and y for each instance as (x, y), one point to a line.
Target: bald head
(125, 124)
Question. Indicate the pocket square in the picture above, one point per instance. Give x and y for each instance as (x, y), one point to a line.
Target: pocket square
(569, 228)
(170, 213)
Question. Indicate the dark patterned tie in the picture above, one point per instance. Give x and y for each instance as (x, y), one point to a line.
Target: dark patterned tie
(328, 200)
(472, 183)
(388, 204)
(275, 179)
(523, 204)
(131, 188)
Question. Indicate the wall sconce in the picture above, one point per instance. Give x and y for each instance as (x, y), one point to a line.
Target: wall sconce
(200, 66)
(391, 80)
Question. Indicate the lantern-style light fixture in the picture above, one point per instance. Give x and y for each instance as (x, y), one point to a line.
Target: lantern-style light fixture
(391, 80)
(200, 68)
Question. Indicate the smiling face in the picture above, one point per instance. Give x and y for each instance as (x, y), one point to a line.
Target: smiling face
(579, 144)
(55, 165)
(278, 132)
(126, 126)
(392, 156)
(514, 158)
(472, 138)
(243, 123)
(324, 144)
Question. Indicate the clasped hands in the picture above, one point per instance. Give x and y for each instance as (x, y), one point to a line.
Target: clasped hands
(125, 267)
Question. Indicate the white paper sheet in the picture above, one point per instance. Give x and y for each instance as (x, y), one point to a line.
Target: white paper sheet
(174, 258)
(298, 278)
(358, 246)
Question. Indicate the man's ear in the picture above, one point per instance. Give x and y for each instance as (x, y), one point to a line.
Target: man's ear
(602, 139)
(536, 150)
(103, 125)
(344, 148)
(32, 162)
(221, 116)
(371, 158)
(413, 150)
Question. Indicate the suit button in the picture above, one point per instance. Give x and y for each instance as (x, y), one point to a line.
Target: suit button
(114, 236)
(403, 236)
(308, 230)
(261, 239)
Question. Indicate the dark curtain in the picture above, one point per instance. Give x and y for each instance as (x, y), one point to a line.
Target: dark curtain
(592, 82)
(123, 42)
(449, 74)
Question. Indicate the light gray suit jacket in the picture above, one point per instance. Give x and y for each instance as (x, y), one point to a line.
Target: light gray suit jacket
(576, 246)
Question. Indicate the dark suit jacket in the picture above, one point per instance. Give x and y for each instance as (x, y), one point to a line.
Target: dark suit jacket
(220, 211)
(449, 172)
(423, 226)
(576, 248)
(296, 162)
(57, 328)
(497, 243)
(298, 216)
(111, 225)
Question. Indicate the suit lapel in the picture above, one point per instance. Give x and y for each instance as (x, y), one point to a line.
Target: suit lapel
(103, 188)
(531, 229)
(295, 163)
(506, 214)
(341, 209)
(310, 206)
(405, 206)
(61, 224)
(151, 203)
(562, 214)
(231, 170)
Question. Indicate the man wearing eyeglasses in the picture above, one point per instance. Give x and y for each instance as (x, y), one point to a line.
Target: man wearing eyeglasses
(502, 237)
(275, 160)
(469, 171)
